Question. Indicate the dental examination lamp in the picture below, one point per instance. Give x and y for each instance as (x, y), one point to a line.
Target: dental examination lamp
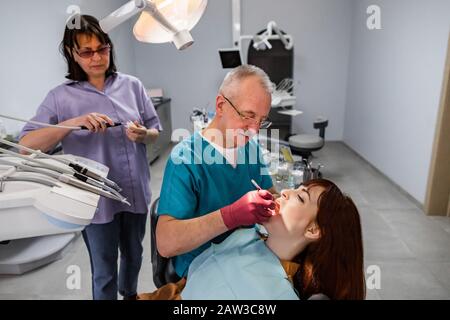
(160, 21)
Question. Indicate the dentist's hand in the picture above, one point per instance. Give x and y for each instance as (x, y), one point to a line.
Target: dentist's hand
(253, 207)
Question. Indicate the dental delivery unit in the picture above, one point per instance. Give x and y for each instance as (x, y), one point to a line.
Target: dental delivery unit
(45, 200)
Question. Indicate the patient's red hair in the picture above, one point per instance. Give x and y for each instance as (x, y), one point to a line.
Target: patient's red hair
(333, 265)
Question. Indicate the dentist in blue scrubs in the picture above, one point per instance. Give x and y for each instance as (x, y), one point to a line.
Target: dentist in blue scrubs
(207, 190)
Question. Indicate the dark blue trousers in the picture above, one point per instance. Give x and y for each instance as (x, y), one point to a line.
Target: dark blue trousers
(103, 241)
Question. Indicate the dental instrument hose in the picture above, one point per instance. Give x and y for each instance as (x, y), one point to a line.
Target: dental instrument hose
(56, 125)
(75, 166)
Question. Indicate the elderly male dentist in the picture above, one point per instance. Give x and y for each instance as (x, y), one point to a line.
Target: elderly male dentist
(207, 190)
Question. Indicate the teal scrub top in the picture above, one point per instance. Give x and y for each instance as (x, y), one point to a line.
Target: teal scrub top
(199, 180)
(240, 268)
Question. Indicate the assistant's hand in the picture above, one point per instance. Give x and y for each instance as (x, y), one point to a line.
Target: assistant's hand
(253, 207)
(136, 132)
(95, 122)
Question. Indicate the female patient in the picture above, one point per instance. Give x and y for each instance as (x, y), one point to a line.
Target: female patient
(314, 247)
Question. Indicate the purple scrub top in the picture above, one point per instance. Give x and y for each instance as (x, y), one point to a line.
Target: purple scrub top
(124, 98)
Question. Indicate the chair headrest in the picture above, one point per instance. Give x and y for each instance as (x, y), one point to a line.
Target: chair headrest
(320, 119)
(320, 122)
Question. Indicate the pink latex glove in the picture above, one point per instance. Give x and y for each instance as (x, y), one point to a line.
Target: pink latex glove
(253, 207)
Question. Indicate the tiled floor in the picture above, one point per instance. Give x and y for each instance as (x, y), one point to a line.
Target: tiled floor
(411, 250)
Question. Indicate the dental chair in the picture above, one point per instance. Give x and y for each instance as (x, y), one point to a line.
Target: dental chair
(305, 144)
(162, 268)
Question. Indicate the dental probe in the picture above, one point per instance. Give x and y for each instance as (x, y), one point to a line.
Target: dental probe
(256, 185)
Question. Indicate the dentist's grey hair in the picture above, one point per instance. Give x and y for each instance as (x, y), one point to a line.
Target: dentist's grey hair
(235, 76)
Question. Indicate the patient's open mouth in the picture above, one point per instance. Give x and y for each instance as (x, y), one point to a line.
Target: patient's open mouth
(277, 208)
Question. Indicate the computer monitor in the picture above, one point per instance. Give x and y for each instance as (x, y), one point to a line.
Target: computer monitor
(230, 58)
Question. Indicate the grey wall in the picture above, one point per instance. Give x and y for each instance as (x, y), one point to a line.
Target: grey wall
(394, 87)
(321, 30)
(121, 36)
(30, 61)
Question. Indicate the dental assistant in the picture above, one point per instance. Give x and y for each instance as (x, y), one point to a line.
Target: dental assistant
(94, 95)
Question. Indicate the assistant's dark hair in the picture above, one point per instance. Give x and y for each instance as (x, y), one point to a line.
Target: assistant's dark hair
(88, 25)
(333, 265)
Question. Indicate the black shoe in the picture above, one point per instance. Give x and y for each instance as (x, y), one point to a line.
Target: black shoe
(133, 297)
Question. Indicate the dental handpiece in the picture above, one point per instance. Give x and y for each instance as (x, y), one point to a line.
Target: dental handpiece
(116, 124)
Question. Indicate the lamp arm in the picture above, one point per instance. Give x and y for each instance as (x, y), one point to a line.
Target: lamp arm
(132, 8)
(122, 14)
(181, 38)
(271, 27)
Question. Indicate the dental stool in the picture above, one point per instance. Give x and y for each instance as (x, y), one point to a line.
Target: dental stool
(305, 144)
(162, 268)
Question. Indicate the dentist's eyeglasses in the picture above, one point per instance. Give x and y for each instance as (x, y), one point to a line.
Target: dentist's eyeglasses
(262, 124)
(103, 51)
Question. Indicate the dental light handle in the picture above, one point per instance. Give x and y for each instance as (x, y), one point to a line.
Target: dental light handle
(156, 14)
(122, 14)
(181, 38)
